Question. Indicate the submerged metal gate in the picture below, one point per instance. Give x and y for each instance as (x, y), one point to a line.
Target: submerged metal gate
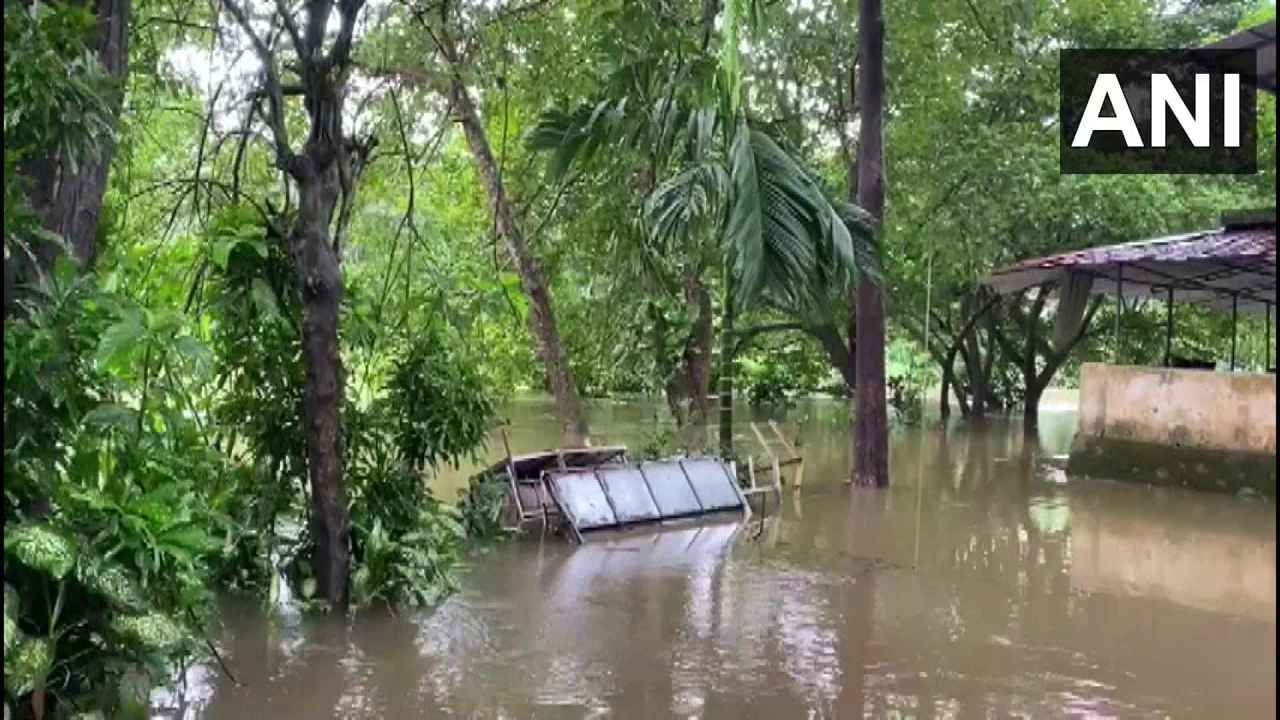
(616, 495)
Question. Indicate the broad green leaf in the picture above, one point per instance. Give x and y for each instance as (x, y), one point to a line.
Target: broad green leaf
(28, 665)
(221, 250)
(189, 537)
(154, 630)
(12, 635)
(264, 298)
(41, 548)
(113, 583)
(194, 352)
(112, 415)
(119, 339)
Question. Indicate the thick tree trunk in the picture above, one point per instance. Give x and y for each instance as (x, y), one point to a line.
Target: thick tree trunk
(542, 319)
(697, 362)
(871, 420)
(974, 369)
(977, 384)
(69, 203)
(320, 283)
(728, 342)
(1031, 407)
(325, 173)
(979, 355)
(1065, 342)
(989, 359)
(948, 379)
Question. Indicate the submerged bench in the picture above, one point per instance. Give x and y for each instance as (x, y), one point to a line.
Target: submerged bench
(622, 494)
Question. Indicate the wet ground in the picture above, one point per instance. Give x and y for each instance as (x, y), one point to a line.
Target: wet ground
(984, 583)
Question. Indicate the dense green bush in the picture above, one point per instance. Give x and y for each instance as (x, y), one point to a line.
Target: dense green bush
(115, 505)
(482, 504)
(907, 372)
(434, 409)
(782, 367)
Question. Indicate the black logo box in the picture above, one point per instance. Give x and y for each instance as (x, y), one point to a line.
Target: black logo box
(1107, 152)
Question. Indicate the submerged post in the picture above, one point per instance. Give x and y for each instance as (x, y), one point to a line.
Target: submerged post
(1168, 330)
(1235, 316)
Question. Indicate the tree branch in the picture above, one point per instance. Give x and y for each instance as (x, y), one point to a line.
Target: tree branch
(271, 85)
(291, 27)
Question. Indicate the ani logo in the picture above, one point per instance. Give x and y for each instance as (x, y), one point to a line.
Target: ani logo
(1158, 111)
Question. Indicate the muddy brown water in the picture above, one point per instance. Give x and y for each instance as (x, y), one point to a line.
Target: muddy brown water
(983, 584)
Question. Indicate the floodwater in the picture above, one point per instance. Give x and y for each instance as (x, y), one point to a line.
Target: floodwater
(983, 584)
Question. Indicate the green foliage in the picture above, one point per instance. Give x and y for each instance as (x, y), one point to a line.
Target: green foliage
(153, 630)
(28, 666)
(781, 368)
(662, 441)
(907, 373)
(155, 445)
(41, 549)
(54, 87)
(482, 504)
(406, 543)
(113, 505)
(55, 101)
(440, 406)
(784, 234)
(254, 320)
(414, 567)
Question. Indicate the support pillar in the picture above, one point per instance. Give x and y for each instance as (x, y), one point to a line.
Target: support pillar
(1168, 329)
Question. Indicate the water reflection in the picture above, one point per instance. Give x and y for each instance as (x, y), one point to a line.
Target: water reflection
(984, 583)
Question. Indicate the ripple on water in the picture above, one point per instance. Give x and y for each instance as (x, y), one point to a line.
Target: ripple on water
(983, 583)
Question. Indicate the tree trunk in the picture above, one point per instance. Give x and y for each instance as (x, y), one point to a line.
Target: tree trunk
(68, 203)
(673, 384)
(974, 363)
(839, 354)
(973, 366)
(325, 173)
(697, 362)
(727, 348)
(989, 359)
(320, 283)
(871, 421)
(542, 319)
(948, 379)
(1031, 407)
(1065, 342)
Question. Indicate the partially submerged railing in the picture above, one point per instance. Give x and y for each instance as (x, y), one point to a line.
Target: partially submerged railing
(615, 496)
(792, 458)
(590, 489)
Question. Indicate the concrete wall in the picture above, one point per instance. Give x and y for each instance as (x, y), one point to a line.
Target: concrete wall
(1189, 428)
(1181, 408)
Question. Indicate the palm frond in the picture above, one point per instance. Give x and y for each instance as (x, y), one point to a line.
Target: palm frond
(680, 203)
(577, 136)
(786, 239)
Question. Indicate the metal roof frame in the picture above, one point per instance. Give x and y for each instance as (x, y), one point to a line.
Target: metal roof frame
(1228, 267)
(1262, 40)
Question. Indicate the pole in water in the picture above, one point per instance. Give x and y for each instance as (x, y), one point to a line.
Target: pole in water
(928, 310)
(1168, 329)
